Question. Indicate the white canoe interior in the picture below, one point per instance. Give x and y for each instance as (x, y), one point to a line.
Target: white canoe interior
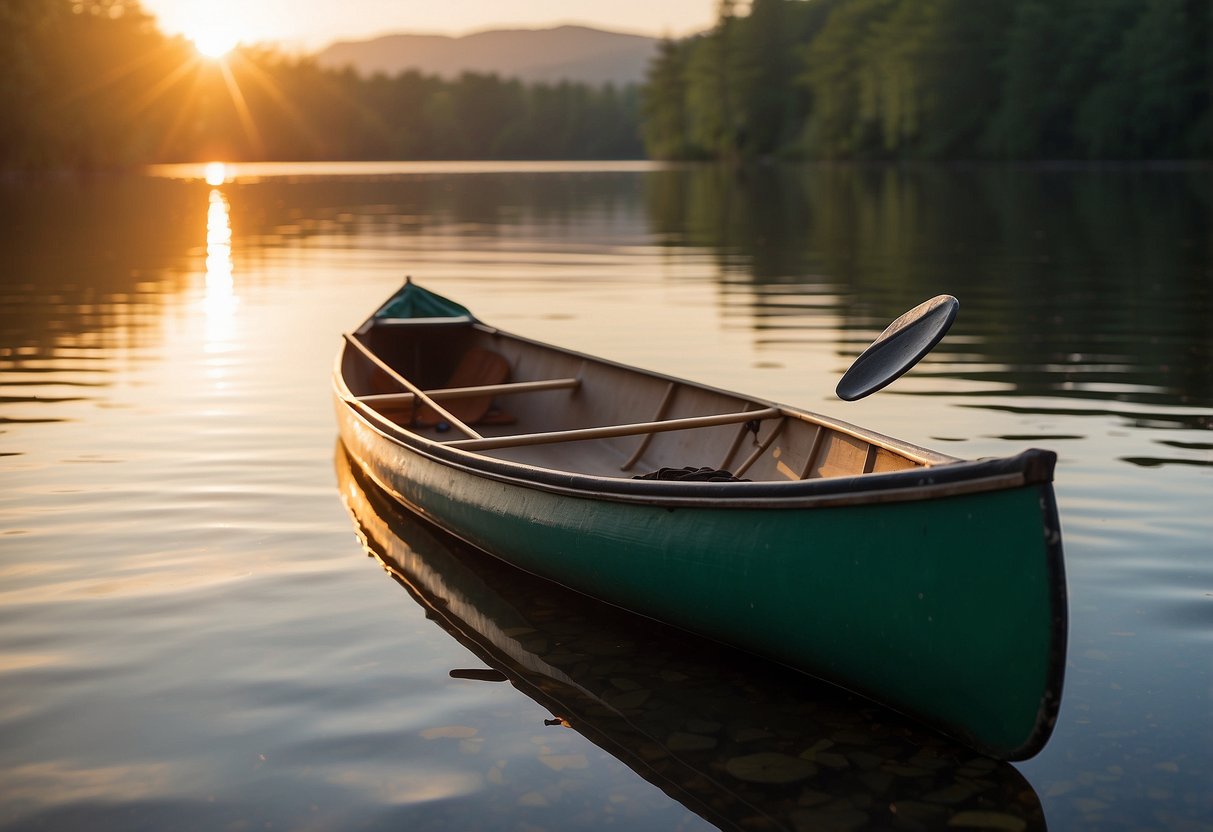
(469, 386)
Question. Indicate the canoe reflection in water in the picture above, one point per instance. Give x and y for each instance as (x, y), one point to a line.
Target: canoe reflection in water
(743, 743)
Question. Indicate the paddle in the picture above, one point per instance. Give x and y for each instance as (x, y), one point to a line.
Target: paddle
(898, 348)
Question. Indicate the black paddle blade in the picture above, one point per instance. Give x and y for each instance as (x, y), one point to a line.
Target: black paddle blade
(898, 348)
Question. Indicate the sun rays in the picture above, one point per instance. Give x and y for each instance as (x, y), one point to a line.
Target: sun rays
(208, 70)
(133, 95)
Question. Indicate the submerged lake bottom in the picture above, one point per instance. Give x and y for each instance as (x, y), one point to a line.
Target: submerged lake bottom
(193, 636)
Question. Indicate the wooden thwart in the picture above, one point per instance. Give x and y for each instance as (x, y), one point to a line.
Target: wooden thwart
(448, 393)
(408, 385)
(610, 431)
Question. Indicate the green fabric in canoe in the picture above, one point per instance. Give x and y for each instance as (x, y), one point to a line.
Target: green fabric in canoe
(414, 302)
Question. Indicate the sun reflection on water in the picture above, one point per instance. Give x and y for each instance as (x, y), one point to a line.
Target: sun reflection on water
(219, 298)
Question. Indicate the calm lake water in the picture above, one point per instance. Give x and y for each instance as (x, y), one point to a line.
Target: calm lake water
(193, 637)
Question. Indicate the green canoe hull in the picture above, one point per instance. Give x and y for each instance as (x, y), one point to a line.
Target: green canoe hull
(645, 695)
(941, 600)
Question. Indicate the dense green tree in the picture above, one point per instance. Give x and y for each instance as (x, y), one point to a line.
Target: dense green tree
(960, 80)
(666, 125)
(771, 104)
(712, 122)
(1052, 56)
(844, 82)
(1150, 88)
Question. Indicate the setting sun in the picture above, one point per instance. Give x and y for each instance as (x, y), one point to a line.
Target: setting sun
(214, 38)
(215, 173)
(214, 44)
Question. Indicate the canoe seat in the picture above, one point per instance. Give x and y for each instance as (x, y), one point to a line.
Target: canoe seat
(477, 367)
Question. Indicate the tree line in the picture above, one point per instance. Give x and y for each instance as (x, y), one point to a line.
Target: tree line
(938, 79)
(95, 84)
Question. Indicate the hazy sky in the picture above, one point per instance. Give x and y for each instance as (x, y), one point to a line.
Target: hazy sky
(314, 23)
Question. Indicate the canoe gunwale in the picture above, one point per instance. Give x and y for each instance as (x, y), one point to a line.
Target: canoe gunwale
(1026, 468)
(940, 475)
(916, 453)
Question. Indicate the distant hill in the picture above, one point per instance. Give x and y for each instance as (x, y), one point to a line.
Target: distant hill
(572, 53)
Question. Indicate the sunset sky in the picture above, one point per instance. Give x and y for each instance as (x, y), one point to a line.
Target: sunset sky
(311, 24)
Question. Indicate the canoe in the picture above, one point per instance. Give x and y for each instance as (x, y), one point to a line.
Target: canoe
(741, 742)
(930, 584)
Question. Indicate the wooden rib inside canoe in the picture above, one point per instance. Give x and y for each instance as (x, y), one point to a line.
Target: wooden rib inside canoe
(644, 443)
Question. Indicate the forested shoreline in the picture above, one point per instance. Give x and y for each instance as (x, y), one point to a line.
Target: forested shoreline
(938, 79)
(94, 84)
